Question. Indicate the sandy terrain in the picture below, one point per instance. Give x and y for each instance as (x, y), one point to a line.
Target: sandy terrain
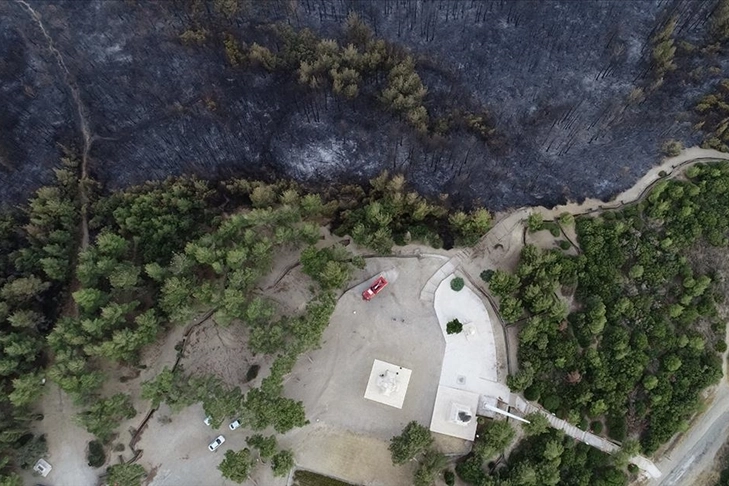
(66, 441)
(175, 445)
(223, 352)
(347, 456)
(178, 452)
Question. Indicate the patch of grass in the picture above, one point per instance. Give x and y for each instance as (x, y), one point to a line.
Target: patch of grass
(308, 478)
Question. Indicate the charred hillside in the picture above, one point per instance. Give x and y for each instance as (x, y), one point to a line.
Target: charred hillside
(523, 102)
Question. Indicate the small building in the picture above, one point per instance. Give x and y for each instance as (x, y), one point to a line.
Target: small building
(388, 383)
(454, 413)
(42, 467)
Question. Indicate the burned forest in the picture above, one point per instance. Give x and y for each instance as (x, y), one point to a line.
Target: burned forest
(496, 103)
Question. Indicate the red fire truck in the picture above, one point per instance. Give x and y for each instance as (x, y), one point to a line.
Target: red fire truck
(375, 288)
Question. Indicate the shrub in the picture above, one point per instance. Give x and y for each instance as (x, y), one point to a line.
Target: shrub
(553, 229)
(457, 284)
(414, 439)
(720, 346)
(449, 477)
(125, 474)
(96, 455)
(584, 423)
(454, 327)
(672, 148)
(596, 427)
(552, 403)
(282, 463)
(616, 427)
(486, 275)
(564, 244)
(566, 219)
(470, 470)
(28, 449)
(236, 466)
(535, 222)
(532, 393)
(538, 424)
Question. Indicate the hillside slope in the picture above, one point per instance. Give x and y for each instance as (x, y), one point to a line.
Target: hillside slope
(567, 85)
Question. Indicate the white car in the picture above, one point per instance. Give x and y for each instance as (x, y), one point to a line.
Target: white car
(208, 420)
(234, 424)
(216, 443)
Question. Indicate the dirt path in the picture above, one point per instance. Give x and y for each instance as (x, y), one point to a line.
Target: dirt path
(83, 117)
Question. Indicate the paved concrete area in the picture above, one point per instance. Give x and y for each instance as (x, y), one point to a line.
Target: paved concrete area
(442, 421)
(396, 327)
(349, 435)
(470, 358)
(470, 363)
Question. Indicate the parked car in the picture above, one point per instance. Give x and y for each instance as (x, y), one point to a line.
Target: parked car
(234, 424)
(216, 443)
(375, 288)
(208, 420)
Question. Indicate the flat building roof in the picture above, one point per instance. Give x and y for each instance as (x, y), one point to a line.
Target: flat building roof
(388, 383)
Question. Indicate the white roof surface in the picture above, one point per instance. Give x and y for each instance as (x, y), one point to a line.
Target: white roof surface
(469, 362)
(42, 467)
(442, 422)
(388, 384)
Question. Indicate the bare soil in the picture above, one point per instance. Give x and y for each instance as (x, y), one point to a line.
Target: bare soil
(221, 351)
(67, 442)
